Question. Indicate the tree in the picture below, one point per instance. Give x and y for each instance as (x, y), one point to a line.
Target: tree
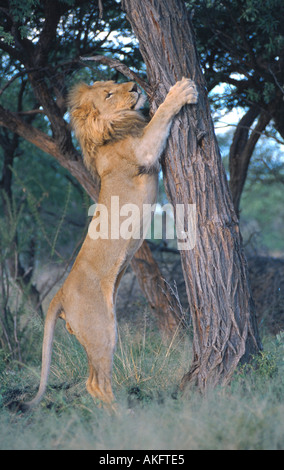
(42, 41)
(10, 143)
(242, 148)
(241, 44)
(225, 330)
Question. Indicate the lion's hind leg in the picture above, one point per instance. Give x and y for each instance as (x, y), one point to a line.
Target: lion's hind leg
(99, 380)
(100, 351)
(97, 334)
(90, 316)
(99, 383)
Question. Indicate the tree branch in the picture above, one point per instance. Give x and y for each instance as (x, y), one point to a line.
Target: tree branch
(12, 51)
(52, 14)
(17, 75)
(76, 167)
(31, 112)
(122, 68)
(263, 120)
(276, 80)
(242, 149)
(101, 9)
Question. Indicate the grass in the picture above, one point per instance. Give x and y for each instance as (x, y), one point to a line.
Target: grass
(246, 415)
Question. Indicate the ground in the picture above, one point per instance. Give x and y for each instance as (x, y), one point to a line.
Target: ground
(248, 414)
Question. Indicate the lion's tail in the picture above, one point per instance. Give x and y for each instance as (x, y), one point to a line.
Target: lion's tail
(50, 321)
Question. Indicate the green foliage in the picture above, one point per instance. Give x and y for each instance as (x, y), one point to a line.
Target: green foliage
(8, 229)
(265, 371)
(262, 203)
(268, 92)
(265, 364)
(253, 95)
(15, 324)
(33, 221)
(240, 43)
(21, 12)
(263, 198)
(6, 37)
(265, 207)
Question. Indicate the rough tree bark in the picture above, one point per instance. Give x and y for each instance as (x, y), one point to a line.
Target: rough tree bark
(162, 300)
(215, 271)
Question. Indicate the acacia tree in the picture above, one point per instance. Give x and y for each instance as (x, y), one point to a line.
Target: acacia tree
(41, 42)
(215, 272)
(241, 44)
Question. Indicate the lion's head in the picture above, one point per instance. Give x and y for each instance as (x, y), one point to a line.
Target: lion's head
(106, 97)
(105, 112)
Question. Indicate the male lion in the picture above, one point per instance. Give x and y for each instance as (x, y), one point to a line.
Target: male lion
(124, 150)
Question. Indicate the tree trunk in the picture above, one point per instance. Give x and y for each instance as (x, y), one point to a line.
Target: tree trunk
(215, 271)
(15, 268)
(242, 148)
(278, 112)
(161, 299)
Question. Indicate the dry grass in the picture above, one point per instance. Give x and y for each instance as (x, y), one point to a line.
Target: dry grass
(246, 415)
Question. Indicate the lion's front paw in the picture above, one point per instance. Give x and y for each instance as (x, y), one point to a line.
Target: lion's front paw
(184, 92)
(192, 92)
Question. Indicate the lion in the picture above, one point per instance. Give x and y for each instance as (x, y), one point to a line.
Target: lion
(124, 148)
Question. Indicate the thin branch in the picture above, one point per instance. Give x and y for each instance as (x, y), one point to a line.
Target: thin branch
(276, 80)
(31, 111)
(12, 51)
(101, 9)
(17, 75)
(278, 178)
(122, 68)
(249, 128)
(257, 131)
(71, 161)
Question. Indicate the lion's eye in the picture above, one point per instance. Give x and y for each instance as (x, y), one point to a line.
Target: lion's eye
(108, 95)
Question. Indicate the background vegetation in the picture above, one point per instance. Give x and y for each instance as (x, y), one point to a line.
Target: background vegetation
(246, 415)
(43, 219)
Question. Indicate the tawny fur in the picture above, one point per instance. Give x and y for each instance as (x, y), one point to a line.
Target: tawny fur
(124, 149)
